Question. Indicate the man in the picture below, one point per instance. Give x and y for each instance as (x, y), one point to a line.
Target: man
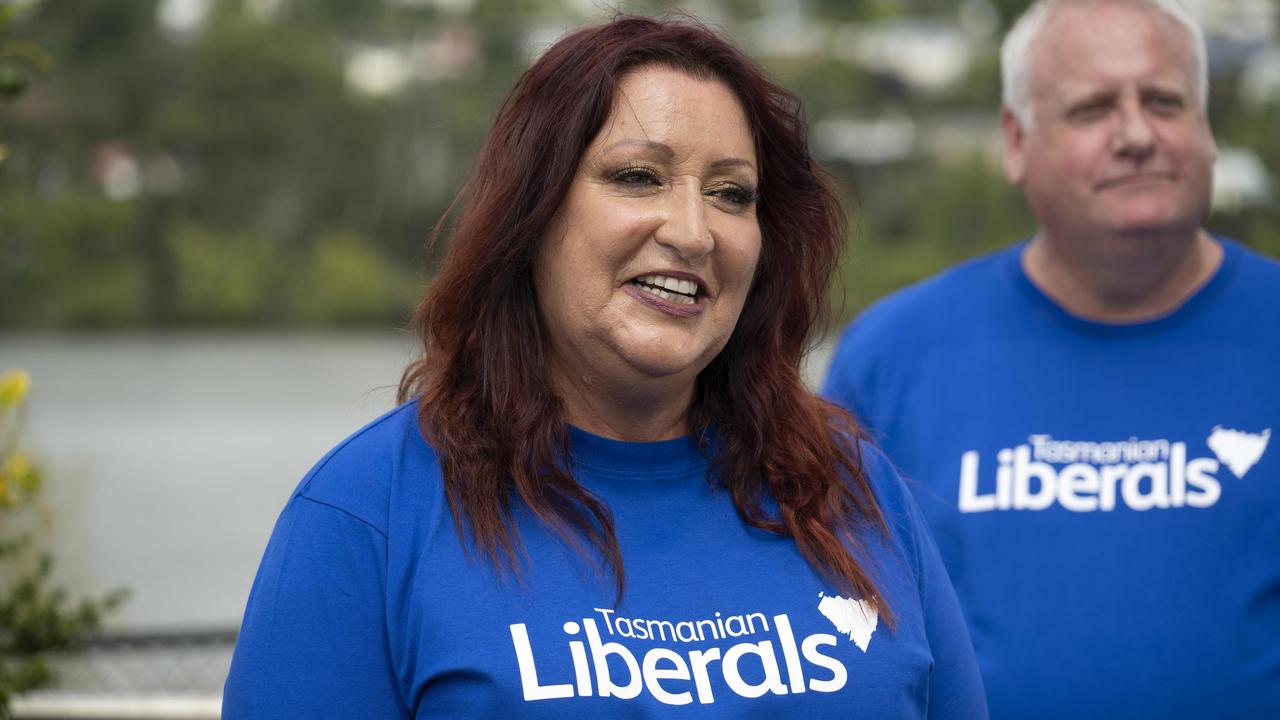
(1087, 416)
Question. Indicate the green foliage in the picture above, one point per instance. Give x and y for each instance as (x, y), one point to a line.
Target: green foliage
(36, 617)
(220, 278)
(232, 175)
(70, 260)
(345, 282)
(910, 223)
(19, 58)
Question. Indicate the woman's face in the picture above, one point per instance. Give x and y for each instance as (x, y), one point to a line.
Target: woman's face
(644, 270)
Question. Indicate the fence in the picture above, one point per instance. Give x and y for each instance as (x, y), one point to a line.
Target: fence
(165, 676)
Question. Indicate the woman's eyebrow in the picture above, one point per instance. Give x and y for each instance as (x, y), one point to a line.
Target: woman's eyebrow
(731, 162)
(666, 151)
(660, 148)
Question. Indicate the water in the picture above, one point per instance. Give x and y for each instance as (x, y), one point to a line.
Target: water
(168, 457)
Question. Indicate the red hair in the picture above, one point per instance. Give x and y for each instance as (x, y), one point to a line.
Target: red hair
(485, 400)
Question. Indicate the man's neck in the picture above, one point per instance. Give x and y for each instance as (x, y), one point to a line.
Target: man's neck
(1140, 278)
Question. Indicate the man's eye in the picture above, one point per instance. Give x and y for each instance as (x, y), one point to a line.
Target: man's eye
(1089, 111)
(1165, 103)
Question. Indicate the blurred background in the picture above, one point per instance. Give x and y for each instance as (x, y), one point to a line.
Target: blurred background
(212, 225)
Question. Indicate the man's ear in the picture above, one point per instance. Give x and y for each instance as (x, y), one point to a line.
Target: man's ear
(1015, 159)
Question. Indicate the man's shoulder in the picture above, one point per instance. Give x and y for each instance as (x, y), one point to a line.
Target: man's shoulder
(357, 475)
(891, 338)
(1260, 269)
(932, 304)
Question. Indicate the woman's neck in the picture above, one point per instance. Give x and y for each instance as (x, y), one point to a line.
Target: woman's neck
(630, 411)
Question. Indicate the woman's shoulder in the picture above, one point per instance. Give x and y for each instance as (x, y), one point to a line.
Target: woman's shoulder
(359, 476)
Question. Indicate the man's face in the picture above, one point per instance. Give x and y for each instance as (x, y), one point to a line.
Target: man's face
(1119, 144)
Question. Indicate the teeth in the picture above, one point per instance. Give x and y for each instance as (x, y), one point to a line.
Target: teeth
(649, 284)
(670, 285)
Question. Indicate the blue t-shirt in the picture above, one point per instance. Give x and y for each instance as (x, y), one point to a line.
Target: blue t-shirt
(367, 606)
(1105, 497)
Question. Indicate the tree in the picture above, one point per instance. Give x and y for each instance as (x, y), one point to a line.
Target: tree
(18, 59)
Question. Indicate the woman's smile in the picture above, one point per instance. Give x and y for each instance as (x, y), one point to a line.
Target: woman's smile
(676, 294)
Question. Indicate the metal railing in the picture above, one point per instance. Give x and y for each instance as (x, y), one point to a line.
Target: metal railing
(161, 675)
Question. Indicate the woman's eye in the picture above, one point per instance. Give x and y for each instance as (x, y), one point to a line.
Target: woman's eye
(734, 195)
(636, 177)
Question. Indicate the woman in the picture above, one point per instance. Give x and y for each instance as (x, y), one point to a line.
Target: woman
(611, 494)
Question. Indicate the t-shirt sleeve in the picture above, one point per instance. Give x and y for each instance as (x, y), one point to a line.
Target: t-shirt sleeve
(955, 686)
(314, 638)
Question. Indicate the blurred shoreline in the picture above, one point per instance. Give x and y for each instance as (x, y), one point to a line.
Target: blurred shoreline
(169, 455)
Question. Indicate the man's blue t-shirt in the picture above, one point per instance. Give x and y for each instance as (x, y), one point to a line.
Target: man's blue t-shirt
(368, 606)
(1105, 497)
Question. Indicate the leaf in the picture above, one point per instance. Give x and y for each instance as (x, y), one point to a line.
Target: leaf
(34, 55)
(15, 383)
(12, 81)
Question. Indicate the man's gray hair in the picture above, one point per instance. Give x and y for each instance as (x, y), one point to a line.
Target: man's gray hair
(1015, 53)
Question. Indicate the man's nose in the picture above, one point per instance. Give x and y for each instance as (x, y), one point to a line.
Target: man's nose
(1135, 136)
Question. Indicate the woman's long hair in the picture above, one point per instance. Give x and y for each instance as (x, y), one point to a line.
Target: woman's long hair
(485, 401)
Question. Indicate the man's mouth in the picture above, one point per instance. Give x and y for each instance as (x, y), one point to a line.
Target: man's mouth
(681, 292)
(1135, 179)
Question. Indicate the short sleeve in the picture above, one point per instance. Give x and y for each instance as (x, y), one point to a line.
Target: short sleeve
(314, 638)
(955, 687)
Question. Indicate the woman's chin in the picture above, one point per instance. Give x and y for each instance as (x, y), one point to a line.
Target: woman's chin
(670, 364)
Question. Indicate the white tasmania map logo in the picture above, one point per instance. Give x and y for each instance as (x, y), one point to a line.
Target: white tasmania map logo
(855, 618)
(1088, 476)
(1239, 451)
